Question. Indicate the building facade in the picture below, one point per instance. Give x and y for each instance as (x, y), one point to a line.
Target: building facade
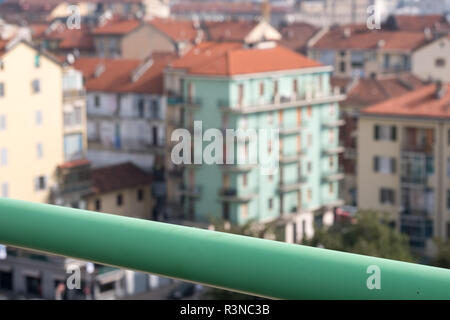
(403, 158)
(294, 97)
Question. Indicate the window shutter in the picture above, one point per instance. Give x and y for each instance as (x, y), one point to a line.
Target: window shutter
(393, 133)
(393, 165)
(381, 195)
(376, 164)
(377, 132)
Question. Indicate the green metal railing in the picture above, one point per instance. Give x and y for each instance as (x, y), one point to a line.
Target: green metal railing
(243, 264)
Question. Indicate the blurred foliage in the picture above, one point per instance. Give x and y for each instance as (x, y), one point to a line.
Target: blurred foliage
(442, 258)
(370, 234)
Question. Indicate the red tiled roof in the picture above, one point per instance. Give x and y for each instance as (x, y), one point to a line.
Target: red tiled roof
(117, 27)
(75, 163)
(359, 37)
(370, 91)
(38, 30)
(177, 30)
(296, 35)
(118, 177)
(228, 30)
(224, 7)
(230, 58)
(117, 74)
(72, 38)
(422, 103)
(419, 22)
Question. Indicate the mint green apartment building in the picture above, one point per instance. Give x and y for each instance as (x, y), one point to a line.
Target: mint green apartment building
(228, 86)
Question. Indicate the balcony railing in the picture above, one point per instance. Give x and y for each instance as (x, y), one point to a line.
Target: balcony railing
(281, 102)
(223, 260)
(232, 195)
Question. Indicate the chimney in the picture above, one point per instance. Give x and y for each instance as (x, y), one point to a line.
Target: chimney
(265, 8)
(441, 90)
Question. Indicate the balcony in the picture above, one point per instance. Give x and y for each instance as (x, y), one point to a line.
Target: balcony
(238, 168)
(333, 123)
(287, 130)
(192, 103)
(292, 185)
(275, 103)
(292, 157)
(333, 176)
(232, 195)
(74, 94)
(191, 191)
(333, 150)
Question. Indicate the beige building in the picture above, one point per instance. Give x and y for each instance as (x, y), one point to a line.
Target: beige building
(122, 189)
(31, 123)
(432, 61)
(404, 163)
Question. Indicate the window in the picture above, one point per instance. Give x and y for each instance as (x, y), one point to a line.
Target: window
(387, 196)
(33, 285)
(6, 280)
(37, 60)
(2, 89)
(440, 62)
(309, 194)
(4, 157)
(309, 111)
(97, 100)
(270, 204)
(119, 200)
(309, 166)
(384, 165)
(330, 188)
(270, 119)
(73, 146)
(385, 133)
(244, 211)
(140, 195)
(244, 180)
(155, 109)
(98, 205)
(2, 122)
(41, 183)
(141, 108)
(5, 190)
(38, 117)
(331, 161)
(387, 61)
(36, 86)
(261, 89)
(39, 151)
(342, 67)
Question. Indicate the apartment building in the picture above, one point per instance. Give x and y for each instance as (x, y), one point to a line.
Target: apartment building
(403, 163)
(125, 110)
(31, 123)
(354, 51)
(265, 86)
(361, 93)
(432, 61)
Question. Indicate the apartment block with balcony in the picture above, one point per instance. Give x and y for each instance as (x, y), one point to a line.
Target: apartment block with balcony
(265, 86)
(403, 157)
(125, 110)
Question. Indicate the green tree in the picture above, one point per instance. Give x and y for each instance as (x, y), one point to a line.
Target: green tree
(370, 234)
(442, 258)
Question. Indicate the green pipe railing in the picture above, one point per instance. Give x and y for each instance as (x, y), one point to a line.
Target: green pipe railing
(255, 266)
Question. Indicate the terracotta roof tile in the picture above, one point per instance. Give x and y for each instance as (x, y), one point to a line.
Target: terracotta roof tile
(228, 30)
(420, 22)
(421, 103)
(117, 74)
(177, 30)
(74, 163)
(297, 35)
(358, 37)
(118, 177)
(227, 59)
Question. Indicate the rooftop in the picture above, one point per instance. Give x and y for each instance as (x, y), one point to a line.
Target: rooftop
(297, 35)
(232, 58)
(421, 103)
(177, 30)
(116, 75)
(369, 91)
(117, 27)
(118, 177)
(358, 37)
